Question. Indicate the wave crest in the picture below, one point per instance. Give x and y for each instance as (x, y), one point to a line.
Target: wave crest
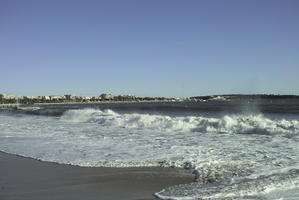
(236, 124)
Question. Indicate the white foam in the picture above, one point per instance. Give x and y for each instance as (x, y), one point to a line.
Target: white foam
(230, 190)
(257, 124)
(252, 147)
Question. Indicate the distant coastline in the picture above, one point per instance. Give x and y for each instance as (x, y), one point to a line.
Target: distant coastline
(6, 99)
(246, 96)
(11, 101)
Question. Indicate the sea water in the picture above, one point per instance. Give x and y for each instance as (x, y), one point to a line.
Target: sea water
(233, 153)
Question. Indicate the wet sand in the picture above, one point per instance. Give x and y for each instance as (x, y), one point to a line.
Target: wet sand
(24, 178)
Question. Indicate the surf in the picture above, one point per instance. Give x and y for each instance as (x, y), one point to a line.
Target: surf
(233, 124)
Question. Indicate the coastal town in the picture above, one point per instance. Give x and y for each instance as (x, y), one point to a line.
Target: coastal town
(69, 98)
(6, 99)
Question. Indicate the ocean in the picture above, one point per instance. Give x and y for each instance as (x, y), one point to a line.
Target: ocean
(235, 149)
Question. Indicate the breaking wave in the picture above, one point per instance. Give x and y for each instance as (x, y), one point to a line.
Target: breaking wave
(236, 124)
(255, 157)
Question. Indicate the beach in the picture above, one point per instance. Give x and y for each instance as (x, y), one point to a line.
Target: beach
(149, 100)
(26, 178)
(130, 151)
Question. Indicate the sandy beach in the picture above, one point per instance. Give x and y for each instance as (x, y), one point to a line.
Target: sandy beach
(25, 178)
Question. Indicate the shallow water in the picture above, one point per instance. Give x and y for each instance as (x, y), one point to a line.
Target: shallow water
(233, 155)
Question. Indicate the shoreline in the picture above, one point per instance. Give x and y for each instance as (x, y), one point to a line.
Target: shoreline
(27, 178)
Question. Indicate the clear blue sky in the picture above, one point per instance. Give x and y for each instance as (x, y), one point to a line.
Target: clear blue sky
(149, 48)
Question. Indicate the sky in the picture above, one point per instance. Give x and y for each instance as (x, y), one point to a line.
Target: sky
(165, 48)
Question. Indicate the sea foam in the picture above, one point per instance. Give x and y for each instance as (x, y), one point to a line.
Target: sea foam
(236, 124)
(231, 157)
